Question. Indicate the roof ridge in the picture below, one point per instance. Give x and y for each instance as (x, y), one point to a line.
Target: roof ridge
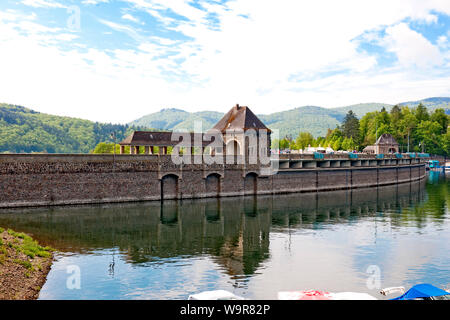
(240, 118)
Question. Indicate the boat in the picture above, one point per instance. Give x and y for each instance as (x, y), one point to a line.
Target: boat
(215, 295)
(323, 295)
(422, 291)
(433, 165)
(286, 295)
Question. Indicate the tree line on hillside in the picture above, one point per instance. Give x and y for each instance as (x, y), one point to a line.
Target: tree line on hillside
(415, 130)
(108, 147)
(421, 130)
(26, 131)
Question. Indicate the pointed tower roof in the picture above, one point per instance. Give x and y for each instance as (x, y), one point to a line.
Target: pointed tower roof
(240, 118)
(386, 138)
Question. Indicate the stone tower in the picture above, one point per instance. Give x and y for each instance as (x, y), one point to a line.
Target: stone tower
(243, 133)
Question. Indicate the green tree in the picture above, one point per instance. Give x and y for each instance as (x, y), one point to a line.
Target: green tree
(348, 144)
(319, 142)
(106, 147)
(421, 113)
(284, 143)
(383, 118)
(333, 139)
(396, 113)
(428, 133)
(440, 117)
(350, 126)
(366, 125)
(372, 126)
(407, 128)
(445, 143)
(395, 119)
(337, 143)
(275, 144)
(333, 134)
(25, 130)
(304, 139)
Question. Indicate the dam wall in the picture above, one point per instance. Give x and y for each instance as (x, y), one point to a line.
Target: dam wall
(61, 179)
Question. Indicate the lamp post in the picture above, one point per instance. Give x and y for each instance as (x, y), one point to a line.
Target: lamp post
(408, 140)
(376, 130)
(113, 137)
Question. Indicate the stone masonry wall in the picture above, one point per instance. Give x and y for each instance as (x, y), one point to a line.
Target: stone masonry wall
(39, 180)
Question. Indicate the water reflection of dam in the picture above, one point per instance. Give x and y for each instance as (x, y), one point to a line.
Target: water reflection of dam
(233, 231)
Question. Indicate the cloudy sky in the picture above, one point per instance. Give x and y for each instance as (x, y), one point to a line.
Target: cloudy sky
(117, 60)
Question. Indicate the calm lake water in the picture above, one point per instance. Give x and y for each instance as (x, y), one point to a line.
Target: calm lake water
(334, 241)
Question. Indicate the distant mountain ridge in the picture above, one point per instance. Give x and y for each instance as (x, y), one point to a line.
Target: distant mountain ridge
(431, 103)
(26, 130)
(313, 119)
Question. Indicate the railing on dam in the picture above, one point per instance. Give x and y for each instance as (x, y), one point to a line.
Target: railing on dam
(350, 155)
(347, 160)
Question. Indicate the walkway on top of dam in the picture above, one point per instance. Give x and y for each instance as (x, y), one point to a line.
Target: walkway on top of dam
(347, 160)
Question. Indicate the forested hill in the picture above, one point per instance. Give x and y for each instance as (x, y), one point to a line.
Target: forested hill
(315, 120)
(431, 103)
(176, 119)
(25, 130)
(312, 119)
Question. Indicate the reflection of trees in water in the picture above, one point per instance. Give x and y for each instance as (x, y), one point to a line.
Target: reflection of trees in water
(434, 208)
(233, 231)
(312, 210)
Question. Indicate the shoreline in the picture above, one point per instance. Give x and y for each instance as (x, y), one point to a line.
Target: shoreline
(24, 266)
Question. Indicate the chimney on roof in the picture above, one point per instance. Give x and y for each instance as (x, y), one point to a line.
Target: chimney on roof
(237, 106)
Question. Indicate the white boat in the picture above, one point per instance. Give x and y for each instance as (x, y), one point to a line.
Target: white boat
(422, 291)
(215, 295)
(323, 295)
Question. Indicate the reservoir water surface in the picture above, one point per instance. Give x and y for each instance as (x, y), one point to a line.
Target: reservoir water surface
(355, 240)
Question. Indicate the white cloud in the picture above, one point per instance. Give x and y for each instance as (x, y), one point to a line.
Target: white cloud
(152, 8)
(131, 18)
(43, 4)
(130, 31)
(411, 47)
(431, 18)
(258, 54)
(73, 83)
(442, 41)
(93, 2)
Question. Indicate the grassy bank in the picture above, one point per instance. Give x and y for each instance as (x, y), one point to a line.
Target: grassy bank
(24, 266)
